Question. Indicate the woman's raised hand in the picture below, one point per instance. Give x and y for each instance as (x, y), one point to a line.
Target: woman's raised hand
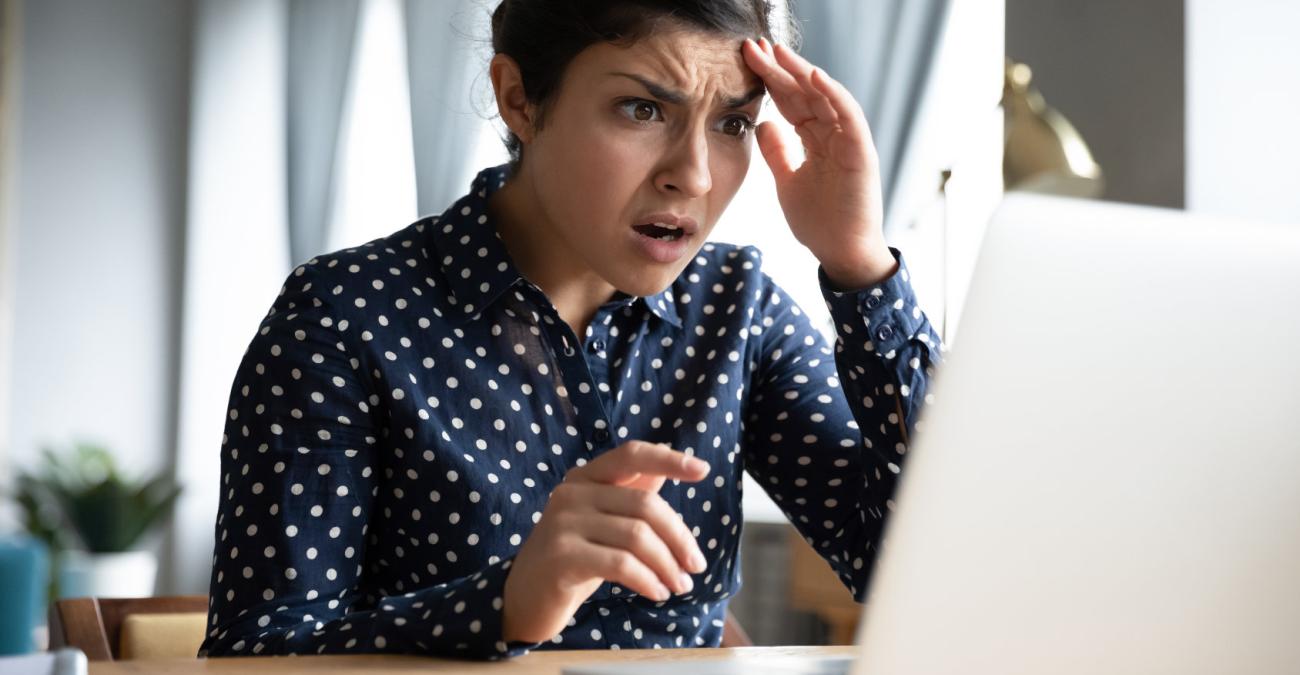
(832, 201)
(605, 522)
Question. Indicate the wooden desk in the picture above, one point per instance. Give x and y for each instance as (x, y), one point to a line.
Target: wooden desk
(536, 663)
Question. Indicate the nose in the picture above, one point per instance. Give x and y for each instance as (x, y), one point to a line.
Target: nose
(686, 169)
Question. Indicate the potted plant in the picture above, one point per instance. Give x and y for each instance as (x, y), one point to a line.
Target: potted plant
(92, 519)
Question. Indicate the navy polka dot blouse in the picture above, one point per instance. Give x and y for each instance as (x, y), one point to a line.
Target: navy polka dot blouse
(407, 406)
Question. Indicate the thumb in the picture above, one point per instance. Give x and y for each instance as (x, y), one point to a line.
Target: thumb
(775, 147)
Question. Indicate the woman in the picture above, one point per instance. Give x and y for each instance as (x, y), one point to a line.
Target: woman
(523, 423)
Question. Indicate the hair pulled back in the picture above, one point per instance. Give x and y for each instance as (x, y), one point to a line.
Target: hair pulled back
(543, 36)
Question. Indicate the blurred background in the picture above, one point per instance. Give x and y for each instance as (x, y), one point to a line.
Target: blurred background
(165, 163)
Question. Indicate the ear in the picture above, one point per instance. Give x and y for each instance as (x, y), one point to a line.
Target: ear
(512, 104)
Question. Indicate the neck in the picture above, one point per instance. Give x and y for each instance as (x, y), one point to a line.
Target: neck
(542, 255)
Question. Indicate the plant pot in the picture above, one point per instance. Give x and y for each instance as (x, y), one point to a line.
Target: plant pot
(130, 574)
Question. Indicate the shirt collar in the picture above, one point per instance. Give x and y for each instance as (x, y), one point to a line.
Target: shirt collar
(661, 305)
(473, 259)
(476, 264)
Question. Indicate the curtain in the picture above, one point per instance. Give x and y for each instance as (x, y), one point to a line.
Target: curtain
(268, 90)
(444, 124)
(883, 51)
(236, 248)
(321, 35)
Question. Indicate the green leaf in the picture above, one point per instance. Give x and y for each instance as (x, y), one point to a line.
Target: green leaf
(79, 499)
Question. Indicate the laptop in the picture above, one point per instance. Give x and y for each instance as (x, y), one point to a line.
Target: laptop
(1108, 477)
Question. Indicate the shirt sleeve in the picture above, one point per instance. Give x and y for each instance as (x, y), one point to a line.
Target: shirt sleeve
(298, 487)
(827, 438)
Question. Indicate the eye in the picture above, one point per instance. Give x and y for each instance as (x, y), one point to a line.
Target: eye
(641, 110)
(738, 126)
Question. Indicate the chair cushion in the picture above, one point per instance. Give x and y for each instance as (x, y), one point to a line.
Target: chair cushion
(162, 636)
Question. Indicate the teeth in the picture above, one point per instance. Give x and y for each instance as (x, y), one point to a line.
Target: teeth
(667, 226)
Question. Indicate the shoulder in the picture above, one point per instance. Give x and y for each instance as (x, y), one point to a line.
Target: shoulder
(339, 277)
(357, 265)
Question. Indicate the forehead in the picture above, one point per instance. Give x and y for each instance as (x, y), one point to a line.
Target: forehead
(701, 65)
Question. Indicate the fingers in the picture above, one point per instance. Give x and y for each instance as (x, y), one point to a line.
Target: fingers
(848, 112)
(655, 512)
(633, 460)
(640, 539)
(620, 566)
(803, 92)
(786, 92)
(802, 71)
(776, 151)
(760, 58)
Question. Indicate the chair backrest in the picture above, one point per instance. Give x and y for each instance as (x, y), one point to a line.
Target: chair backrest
(95, 625)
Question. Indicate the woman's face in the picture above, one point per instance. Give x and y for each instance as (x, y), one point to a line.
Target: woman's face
(638, 135)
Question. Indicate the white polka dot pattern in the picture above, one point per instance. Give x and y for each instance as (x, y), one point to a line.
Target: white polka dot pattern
(407, 406)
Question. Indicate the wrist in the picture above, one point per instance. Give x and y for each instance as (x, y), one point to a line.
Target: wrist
(524, 614)
(862, 271)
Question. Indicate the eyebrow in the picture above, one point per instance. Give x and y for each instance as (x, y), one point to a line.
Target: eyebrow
(663, 93)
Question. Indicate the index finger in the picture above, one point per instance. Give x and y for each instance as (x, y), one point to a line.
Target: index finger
(781, 85)
(635, 459)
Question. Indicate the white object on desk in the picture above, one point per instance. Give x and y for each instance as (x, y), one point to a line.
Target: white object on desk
(67, 661)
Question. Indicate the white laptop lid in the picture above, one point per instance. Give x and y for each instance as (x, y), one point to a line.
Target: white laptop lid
(1108, 479)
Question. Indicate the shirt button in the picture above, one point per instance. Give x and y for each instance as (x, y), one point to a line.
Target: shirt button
(873, 301)
(601, 435)
(597, 345)
(885, 332)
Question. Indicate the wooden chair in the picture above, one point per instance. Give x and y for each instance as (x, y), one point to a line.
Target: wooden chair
(816, 589)
(95, 625)
(733, 635)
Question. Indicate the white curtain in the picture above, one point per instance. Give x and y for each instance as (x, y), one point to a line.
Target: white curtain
(236, 248)
(269, 101)
(443, 60)
(321, 35)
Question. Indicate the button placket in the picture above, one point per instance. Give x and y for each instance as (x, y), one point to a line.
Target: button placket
(582, 377)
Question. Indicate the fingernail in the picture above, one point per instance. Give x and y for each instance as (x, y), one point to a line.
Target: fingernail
(697, 562)
(684, 583)
(695, 464)
(662, 593)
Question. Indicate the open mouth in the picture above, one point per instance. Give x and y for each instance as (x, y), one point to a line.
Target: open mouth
(660, 231)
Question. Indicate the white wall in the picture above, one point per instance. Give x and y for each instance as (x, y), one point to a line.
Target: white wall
(1243, 88)
(98, 186)
(8, 114)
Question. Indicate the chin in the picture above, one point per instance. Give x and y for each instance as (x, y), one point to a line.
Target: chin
(645, 287)
(647, 282)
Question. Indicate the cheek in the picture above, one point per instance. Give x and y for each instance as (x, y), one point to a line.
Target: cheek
(728, 168)
(730, 165)
(593, 176)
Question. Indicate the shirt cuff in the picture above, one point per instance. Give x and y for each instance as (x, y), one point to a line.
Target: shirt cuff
(473, 627)
(888, 310)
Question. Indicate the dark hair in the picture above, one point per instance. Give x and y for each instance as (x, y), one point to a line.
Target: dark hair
(543, 36)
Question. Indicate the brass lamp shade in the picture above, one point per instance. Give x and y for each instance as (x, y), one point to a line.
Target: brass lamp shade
(1043, 152)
